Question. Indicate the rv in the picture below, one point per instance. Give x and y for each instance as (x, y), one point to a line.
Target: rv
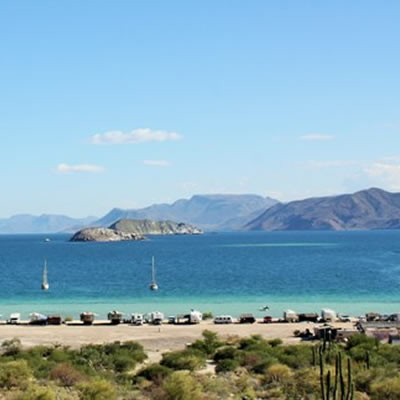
(87, 317)
(328, 315)
(15, 318)
(137, 319)
(115, 317)
(290, 316)
(154, 318)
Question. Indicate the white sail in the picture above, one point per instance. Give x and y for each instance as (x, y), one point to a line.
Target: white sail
(153, 285)
(45, 283)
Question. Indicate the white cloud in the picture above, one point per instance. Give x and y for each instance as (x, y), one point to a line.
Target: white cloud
(316, 137)
(65, 168)
(385, 174)
(157, 163)
(331, 164)
(136, 136)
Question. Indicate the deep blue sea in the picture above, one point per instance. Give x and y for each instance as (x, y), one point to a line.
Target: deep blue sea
(352, 272)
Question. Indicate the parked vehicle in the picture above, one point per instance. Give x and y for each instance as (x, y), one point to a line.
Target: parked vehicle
(15, 318)
(194, 317)
(267, 319)
(290, 316)
(115, 317)
(223, 319)
(137, 319)
(308, 317)
(344, 318)
(328, 315)
(172, 319)
(247, 319)
(87, 317)
(37, 319)
(54, 320)
(154, 318)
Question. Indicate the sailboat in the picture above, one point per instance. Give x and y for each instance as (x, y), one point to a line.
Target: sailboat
(45, 283)
(153, 284)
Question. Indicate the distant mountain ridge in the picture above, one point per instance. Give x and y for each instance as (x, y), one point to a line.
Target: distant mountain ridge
(149, 227)
(364, 210)
(209, 212)
(45, 223)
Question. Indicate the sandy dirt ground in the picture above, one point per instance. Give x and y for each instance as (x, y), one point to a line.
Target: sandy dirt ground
(155, 339)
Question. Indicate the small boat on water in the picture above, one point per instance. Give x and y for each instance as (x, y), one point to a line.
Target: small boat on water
(153, 284)
(45, 283)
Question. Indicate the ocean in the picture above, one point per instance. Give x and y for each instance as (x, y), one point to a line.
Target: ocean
(225, 273)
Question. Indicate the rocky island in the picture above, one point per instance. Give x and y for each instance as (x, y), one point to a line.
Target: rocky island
(104, 235)
(150, 227)
(129, 229)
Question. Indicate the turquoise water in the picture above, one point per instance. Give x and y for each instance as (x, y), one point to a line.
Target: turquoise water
(352, 272)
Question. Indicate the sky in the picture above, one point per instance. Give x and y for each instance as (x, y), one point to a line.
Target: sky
(127, 103)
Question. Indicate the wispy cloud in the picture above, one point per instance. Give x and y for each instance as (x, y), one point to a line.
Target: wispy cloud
(65, 168)
(386, 174)
(314, 137)
(136, 136)
(157, 163)
(331, 164)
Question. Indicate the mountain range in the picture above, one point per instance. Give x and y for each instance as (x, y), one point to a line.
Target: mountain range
(365, 210)
(46, 223)
(208, 212)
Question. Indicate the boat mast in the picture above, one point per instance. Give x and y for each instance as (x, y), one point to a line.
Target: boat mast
(153, 271)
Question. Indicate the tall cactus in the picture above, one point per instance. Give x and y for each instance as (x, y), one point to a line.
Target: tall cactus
(346, 389)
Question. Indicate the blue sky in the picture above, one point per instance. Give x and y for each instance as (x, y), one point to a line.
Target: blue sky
(122, 104)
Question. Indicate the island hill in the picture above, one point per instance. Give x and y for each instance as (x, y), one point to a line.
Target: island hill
(130, 229)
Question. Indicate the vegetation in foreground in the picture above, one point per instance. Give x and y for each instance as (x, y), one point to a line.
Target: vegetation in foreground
(237, 368)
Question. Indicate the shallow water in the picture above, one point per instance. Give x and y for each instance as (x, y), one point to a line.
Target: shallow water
(352, 272)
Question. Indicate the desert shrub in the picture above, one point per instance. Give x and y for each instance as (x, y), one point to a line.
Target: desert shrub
(278, 373)
(181, 386)
(60, 355)
(367, 343)
(226, 365)
(275, 342)
(227, 352)
(97, 389)
(189, 359)
(10, 348)
(35, 392)
(154, 372)
(113, 356)
(66, 374)
(295, 356)
(15, 374)
(208, 315)
(386, 389)
(209, 344)
(306, 383)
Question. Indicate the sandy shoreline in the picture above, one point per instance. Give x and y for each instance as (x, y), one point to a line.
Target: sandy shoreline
(155, 339)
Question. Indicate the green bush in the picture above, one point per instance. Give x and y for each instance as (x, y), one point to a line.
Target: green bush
(189, 359)
(97, 389)
(35, 392)
(208, 345)
(208, 315)
(15, 374)
(386, 389)
(181, 386)
(226, 365)
(154, 372)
